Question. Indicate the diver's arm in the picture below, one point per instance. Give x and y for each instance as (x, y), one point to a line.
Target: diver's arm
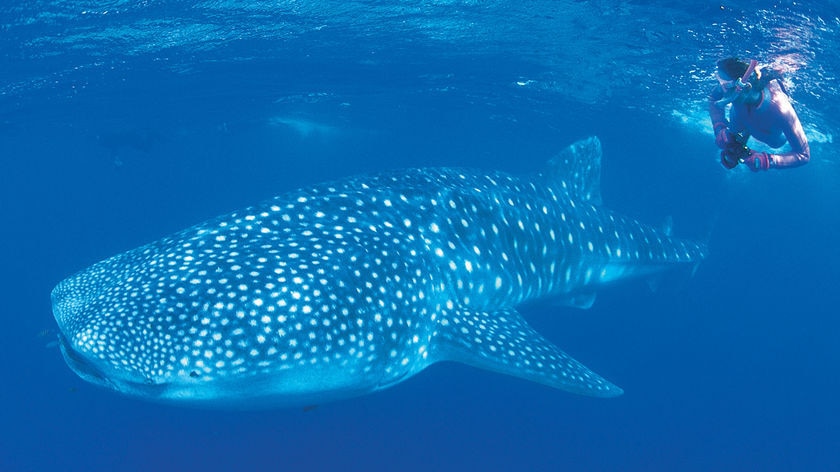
(717, 112)
(800, 152)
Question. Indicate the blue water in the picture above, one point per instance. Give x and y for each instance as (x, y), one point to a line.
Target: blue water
(120, 124)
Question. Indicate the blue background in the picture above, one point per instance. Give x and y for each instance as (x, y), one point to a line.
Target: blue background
(124, 123)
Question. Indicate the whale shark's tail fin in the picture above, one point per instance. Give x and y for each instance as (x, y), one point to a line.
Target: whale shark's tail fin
(503, 342)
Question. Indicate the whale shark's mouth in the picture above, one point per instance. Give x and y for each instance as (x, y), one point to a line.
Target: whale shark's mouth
(101, 374)
(81, 365)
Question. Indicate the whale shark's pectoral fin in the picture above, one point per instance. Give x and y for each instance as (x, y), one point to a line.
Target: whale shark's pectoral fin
(503, 342)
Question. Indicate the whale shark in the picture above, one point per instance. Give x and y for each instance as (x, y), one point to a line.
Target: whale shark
(349, 287)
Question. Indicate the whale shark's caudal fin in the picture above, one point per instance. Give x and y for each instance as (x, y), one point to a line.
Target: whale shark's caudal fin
(578, 168)
(503, 342)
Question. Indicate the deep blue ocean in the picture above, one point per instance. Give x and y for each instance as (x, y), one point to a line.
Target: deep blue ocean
(125, 121)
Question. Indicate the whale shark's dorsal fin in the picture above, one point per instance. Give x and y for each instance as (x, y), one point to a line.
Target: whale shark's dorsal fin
(578, 169)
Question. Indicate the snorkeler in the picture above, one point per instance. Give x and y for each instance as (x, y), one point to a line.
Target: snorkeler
(760, 109)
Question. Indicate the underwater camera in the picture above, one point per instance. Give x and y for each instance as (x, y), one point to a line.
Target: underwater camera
(736, 147)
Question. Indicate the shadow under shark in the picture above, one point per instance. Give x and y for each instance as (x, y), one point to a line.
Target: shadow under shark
(352, 286)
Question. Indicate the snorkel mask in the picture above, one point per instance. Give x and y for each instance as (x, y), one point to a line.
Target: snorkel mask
(733, 89)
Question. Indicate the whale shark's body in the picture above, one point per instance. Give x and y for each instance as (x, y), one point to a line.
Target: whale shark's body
(352, 286)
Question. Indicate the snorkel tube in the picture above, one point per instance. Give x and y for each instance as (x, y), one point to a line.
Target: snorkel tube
(744, 81)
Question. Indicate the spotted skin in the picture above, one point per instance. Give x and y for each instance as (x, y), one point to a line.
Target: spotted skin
(352, 286)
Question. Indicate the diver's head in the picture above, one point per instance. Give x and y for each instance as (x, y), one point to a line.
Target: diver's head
(737, 78)
(731, 68)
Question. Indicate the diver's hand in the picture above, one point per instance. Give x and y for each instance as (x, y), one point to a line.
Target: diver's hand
(757, 161)
(727, 160)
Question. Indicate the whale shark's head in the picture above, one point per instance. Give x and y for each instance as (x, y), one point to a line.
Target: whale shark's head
(93, 337)
(168, 332)
(161, 332)
(239, 312)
